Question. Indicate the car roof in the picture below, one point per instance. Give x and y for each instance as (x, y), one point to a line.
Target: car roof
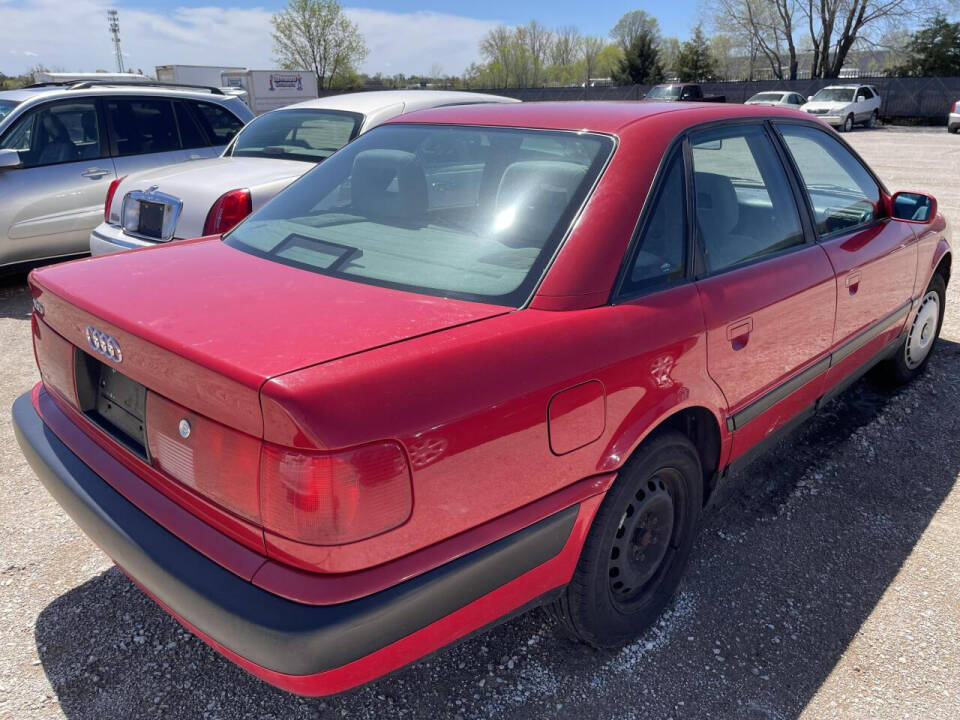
(589, 116)
(368, 102)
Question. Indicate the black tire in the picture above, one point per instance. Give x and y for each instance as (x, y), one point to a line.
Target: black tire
(847, 124)
(900, 368)
(662, 484)
(872, 120)
(953, 129)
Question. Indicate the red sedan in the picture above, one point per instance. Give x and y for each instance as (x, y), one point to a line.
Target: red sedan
(483, 358)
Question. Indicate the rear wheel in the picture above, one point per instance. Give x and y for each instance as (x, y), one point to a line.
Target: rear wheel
(847, 124)
(953, 129)
(638, 546)
(921, 336)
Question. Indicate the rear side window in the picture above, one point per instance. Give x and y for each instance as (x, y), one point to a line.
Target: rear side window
(841, 191)
(745, 208)
(221, 124)
(57, 133)
(659, 257)
(142, 126)
(191, 136)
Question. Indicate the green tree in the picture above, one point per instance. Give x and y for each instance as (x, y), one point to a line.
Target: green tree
(633, 24)
(317, 35)
(694, 61)
(641, 61)
(934, 50)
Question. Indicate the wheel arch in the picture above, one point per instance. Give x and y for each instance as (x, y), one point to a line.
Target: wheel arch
(943, 267)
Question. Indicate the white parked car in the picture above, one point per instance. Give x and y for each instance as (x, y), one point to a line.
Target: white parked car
(210, 197)
(845, 105)
(953, 119)
(63, 144)
(783, 98)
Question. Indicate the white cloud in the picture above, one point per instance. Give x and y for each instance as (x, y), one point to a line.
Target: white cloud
(73, 36)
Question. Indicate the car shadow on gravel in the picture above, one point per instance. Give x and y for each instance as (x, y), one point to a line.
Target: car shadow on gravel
(784, 574)
(15, 299)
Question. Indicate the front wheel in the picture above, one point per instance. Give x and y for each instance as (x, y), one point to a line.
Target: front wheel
(847, 124)
(638, 546)
(872, 120)
(912, 356)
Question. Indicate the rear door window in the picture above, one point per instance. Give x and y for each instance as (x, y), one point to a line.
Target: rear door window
(221, 124)
(142, 126)
(841, 191)
(191, 134)
(745, 207)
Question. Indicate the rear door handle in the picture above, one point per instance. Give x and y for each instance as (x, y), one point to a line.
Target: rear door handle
(739, 332)
(852, 282)
(94, 173)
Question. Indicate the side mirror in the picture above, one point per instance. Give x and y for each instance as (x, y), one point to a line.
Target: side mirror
(913, 207)
(10, 159)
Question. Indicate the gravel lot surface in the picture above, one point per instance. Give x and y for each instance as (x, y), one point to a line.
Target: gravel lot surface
(826, 585)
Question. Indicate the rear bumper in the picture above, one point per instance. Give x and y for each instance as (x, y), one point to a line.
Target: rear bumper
(106, 239)
(304, 648)
(953, 120)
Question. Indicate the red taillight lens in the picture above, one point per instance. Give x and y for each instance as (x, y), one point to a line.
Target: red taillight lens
(331, 498)
(111, 191)
(229, 209)
(218, 462)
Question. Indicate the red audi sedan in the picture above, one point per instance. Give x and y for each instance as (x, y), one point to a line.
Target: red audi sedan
(481, 359)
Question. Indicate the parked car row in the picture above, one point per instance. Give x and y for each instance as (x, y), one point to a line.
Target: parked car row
(481, 358)
(841, 106)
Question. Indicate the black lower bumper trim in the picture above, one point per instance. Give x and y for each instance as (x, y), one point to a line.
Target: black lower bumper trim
(269, 630)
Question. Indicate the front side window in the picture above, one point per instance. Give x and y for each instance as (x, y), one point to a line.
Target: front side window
(841, 191)
(396, 208)
(310, 135)
(221, 124)
(57, 133)
(745, 208)
(142, 126)
(659, 256)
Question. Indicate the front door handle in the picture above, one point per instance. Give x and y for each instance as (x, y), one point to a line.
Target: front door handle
(94, 173)
(738, 333)
(852, 282)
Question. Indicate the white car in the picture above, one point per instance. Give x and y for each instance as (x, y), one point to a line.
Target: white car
(783, 98)
(210, 197)
(953, 119)
(62, 144)
(845, 105)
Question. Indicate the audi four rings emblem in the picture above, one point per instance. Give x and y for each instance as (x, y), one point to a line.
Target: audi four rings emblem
(104, 344)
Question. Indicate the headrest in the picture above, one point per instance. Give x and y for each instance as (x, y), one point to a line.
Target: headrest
(717, 207)
(389, 184)
(531, 197)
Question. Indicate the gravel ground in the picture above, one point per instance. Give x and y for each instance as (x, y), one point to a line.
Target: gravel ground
(825, 585)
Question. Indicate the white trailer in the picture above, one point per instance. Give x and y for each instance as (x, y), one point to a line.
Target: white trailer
(271, 89)
(209, 75)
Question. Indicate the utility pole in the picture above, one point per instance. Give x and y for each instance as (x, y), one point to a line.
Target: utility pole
(114, 25)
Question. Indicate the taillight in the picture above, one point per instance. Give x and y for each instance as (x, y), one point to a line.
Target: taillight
(229, 209)
(218, 462)
(331, 498)
(111, 191)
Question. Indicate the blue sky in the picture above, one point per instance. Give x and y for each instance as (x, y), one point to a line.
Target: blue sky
(596, 18)
(403, 36)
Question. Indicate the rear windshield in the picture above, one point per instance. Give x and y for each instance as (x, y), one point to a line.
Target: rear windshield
(311, 135)
(6, 106)
(767, 97)
(834, 95)
(664, 91)
(468, 212)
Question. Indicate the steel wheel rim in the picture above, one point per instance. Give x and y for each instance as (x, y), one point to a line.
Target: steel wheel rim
(923, 331)
(645, 541)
